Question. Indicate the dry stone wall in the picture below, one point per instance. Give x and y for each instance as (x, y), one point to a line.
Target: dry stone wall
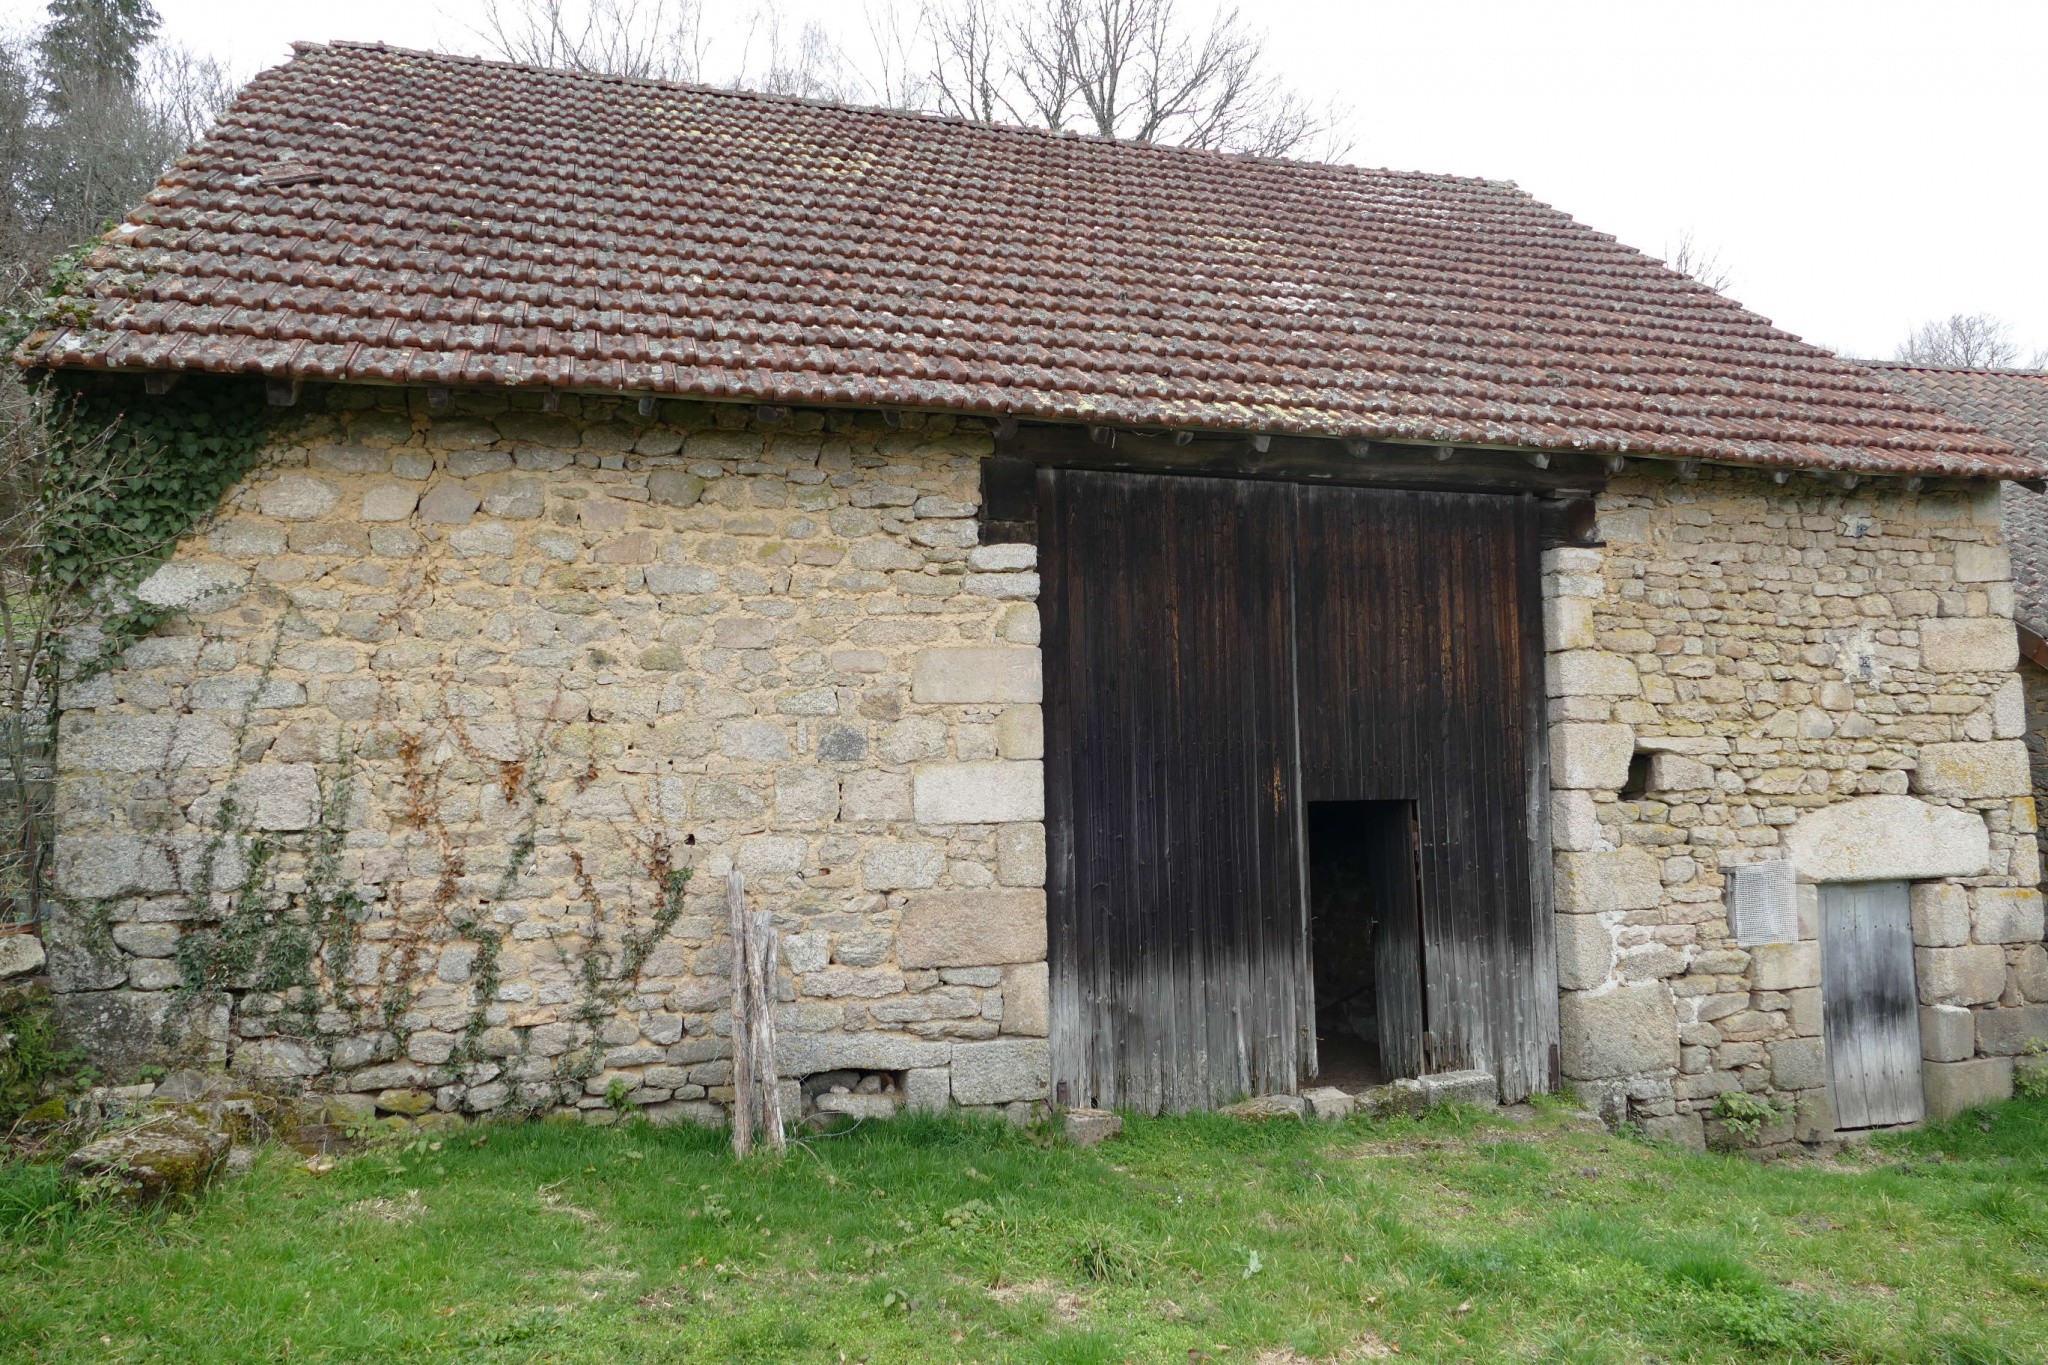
(1749, 671)
(401, 806)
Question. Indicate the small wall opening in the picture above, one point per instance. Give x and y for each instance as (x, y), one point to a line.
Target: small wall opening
(859, 1094)
(1365, 945)
(1637, 785)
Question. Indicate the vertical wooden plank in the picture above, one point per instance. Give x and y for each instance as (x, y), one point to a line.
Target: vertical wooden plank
(1397, 947)
(1457, 916)
(763, 947)
(1897, 1037)
(1066, 1036)
(1840, 956)
(1534, 975)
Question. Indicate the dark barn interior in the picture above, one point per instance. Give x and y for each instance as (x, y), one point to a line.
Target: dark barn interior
(1365, 941)
(1295, 786)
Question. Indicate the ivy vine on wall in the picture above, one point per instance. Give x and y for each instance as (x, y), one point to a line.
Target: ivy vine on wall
(130, 473)
(99, 480)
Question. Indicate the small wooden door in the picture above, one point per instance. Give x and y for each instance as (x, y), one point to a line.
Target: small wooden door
(1870, 1003)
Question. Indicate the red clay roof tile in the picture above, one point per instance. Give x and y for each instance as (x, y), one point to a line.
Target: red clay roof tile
(2009, 404)
(449, 220)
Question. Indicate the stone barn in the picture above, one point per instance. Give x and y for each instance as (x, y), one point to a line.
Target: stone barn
(1153, 627)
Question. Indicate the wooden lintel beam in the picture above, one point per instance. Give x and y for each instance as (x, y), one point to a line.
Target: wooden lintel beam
(1570, 516)
(2033, 648)
(1302, 459)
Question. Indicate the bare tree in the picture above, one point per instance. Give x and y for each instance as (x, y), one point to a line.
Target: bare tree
(1120, 68)
(1700, 263)
(897, 78)
(971, 59)
(1975, 341)
(811, 66)
(669, 40)
(82, 145)
(1137, 69)
(185, 92)
(655, 39)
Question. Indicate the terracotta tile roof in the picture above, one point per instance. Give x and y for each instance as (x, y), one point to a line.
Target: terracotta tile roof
(2013, 406)
(2009, 404)
(364, 213)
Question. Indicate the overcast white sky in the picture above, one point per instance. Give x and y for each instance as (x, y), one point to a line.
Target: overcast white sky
(1859, 167)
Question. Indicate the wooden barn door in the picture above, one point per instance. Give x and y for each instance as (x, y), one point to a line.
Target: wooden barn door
(1219, 653)
(1419, 655)
(1178, 951)
(1870, 1004)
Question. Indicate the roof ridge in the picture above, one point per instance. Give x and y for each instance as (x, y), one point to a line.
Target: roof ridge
(924, 116)
(2000, 372)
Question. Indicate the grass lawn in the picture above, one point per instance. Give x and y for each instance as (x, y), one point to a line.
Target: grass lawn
(1455, 1237)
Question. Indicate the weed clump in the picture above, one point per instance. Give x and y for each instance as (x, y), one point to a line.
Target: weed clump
(1744, 1114)
(37, 1062)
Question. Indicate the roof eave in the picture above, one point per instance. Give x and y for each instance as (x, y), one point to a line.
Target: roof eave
(32, 354)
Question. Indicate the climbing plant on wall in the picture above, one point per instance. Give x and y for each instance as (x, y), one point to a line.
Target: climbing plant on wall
(98, 481)
(130, 473)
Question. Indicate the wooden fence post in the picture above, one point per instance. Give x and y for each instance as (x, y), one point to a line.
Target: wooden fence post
(742, 1049)
(761, 954)
(755, 1083)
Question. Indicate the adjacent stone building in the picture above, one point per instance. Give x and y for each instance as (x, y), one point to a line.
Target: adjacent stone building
(657, 486)
(2013, 406)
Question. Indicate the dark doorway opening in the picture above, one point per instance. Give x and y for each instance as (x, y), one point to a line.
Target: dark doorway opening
(1365, 941)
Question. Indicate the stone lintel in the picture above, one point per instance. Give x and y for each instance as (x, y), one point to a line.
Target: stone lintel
(1888, 838)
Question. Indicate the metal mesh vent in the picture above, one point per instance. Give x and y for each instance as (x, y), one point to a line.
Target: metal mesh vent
(1763, 903)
